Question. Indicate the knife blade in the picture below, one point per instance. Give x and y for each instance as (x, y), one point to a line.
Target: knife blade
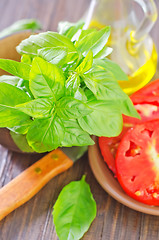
(22, 188)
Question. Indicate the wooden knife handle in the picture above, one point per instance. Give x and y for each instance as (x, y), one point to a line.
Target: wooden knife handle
(29, 182)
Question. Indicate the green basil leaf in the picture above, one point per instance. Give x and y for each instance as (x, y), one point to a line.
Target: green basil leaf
(69, 29)
(84, 34)
(12, 80)
(54, 55)
(105, 120)
(32, 44)
(104, 52)
(21, 142)
(86, 64)
(80, 95)
(9, 97)
(95, 41)
(72, 84)
(24, 24)
(45, 135)
(74, 135)
(23, 128)
(37, 108)
(127, 107)
(112, 67)
(27, 59)
(74, 210)
(18, 69)
(71, 108)
(102, 84)
(46, 79)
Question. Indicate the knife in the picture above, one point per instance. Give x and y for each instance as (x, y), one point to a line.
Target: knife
(29, 182)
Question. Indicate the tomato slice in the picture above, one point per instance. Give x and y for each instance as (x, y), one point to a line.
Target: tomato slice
(108, 147)
(137, 162)
(146, 102)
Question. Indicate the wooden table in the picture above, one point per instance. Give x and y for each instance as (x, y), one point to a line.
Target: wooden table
(33, 220)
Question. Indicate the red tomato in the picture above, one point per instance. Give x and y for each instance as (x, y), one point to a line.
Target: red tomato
(137, 162)
(146, 102)
(108, 147)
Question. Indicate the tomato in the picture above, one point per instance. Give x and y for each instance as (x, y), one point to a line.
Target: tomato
(146, 102)
(137, 162)
(108, 147)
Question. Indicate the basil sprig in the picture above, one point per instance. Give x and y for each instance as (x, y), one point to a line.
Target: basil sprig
(64, 89)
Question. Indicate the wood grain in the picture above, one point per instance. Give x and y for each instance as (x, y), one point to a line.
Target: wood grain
(33, 220)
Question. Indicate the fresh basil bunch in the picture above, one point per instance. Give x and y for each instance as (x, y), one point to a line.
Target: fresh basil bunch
(63, 90)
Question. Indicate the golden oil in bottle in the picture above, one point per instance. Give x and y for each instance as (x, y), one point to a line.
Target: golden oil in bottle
(138, 60)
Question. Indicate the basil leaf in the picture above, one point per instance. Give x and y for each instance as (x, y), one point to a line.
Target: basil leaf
(105, 120)
(84, 34)
(37, 108)
(95, 41)
(86, 64)
(46, 79)
(74, 210)
(24, 24)
(72, 84)
(54, 55)
(26, 59)
(102, 84)
(18, 69)
(103, 53)
(80, 95)
(23, 128)
(9, 97)
(12, 80)
(112, 67)
(21, 142)
(127, 108)
(32, 44)
(71, 108)
(74, 135)
(69, 29)
(45, 135)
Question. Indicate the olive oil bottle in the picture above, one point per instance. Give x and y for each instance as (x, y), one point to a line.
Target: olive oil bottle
(133, 48)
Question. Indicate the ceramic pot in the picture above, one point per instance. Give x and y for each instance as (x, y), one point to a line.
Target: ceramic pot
(8, 51)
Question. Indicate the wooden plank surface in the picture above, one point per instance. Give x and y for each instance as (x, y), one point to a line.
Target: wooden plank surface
(33, 221)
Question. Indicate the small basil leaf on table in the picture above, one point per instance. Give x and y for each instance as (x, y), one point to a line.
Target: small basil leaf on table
(21, 142)
(75, 135)
(95, 41)
(105, 120)
(37, 108)
(10, 96)
(45, 135)
(18, 69)
(46, 79)
(71, 108)
(54, 55)
(32, 44)
(74, 210)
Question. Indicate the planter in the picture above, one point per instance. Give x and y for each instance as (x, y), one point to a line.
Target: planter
(8, 51)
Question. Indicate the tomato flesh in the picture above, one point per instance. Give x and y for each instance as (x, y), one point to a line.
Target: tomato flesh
(108, 147)
(146, 102)
(137, 162)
